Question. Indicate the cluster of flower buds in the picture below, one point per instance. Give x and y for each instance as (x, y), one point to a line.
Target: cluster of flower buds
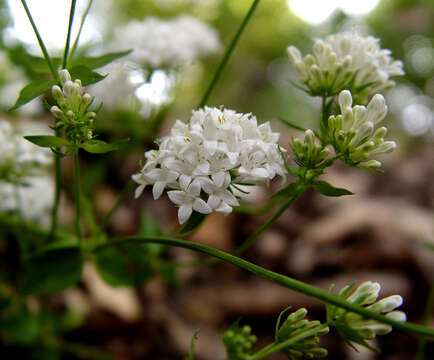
(353, 132)
(295, 326)
(367, 294)
(310, 153)
(346, 61)
(202, 162)
(72, 109)
(238, 342)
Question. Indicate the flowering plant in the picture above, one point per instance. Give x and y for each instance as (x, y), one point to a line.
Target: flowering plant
(204, 164)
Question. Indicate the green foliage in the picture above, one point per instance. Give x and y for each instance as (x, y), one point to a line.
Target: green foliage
(100, 147)
(31, 91)
(49, 141)
(99, 61)
(287, 191)
(51, 271)
(124, 265)
(86, 75)
(326, 189)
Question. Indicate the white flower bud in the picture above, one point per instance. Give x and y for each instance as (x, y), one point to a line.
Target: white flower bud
(370, 165)
(64, 76)
(57, 112)
(345, 100)
(377, 109)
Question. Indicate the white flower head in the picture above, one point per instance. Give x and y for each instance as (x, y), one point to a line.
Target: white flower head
(353, 132)
(18, 157)
(201, 161)
(158, 43)
(346, 61)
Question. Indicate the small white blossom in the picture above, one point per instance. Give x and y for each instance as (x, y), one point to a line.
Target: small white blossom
(353, 132)
(201, 161)
(158, 43)
(346, 61)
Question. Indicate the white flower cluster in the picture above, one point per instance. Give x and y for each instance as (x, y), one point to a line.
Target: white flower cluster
(346, 61)
(367, 294)
(26, 199)
(352, 132)
(203, 161)
(160, 43)
(22, 180)
(18, 157)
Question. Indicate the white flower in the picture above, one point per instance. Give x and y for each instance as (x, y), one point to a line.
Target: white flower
(158, 43)
(353, 133)
(18, 157)
(188, 200)
(346, 61)
(205, 158)
(26, 200)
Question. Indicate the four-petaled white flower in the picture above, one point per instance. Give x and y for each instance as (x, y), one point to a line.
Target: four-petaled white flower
(188, 200)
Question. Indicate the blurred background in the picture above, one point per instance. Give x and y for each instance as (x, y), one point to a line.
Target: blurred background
(384, 233)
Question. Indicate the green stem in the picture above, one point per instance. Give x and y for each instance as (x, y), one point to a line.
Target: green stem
(426, 321)
(279, 346)
(228, 53)
(58, 179)
(285, 281)
(68, 36)
(41, 43)
(252, 238)
(77, 195)
(83, 19)
(122, 196)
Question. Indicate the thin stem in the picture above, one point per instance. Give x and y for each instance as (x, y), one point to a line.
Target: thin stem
(252, 238)
(77, 195)
(122, 196)
(228, 53)
(83, 19)
(41, 42)
(285, 281)
(58, 171)
(68, 36)
(426, 321)
(279, 346)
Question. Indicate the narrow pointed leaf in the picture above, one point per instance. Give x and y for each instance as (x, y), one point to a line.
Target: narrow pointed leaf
(101, 147)
(291, 124)
(31, 91)
(86, 75)
(99, 61)
(47, 141)
(326, 189)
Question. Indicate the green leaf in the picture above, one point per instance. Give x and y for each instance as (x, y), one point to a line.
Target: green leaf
(291, 124)
(50, 272)
(124, 265)
(193, 222)
(191, 352)
(31, 91)
(101, 147)
(86, 75)
(47, 140)
(326, 189)
(287, 191)
(99, 61)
